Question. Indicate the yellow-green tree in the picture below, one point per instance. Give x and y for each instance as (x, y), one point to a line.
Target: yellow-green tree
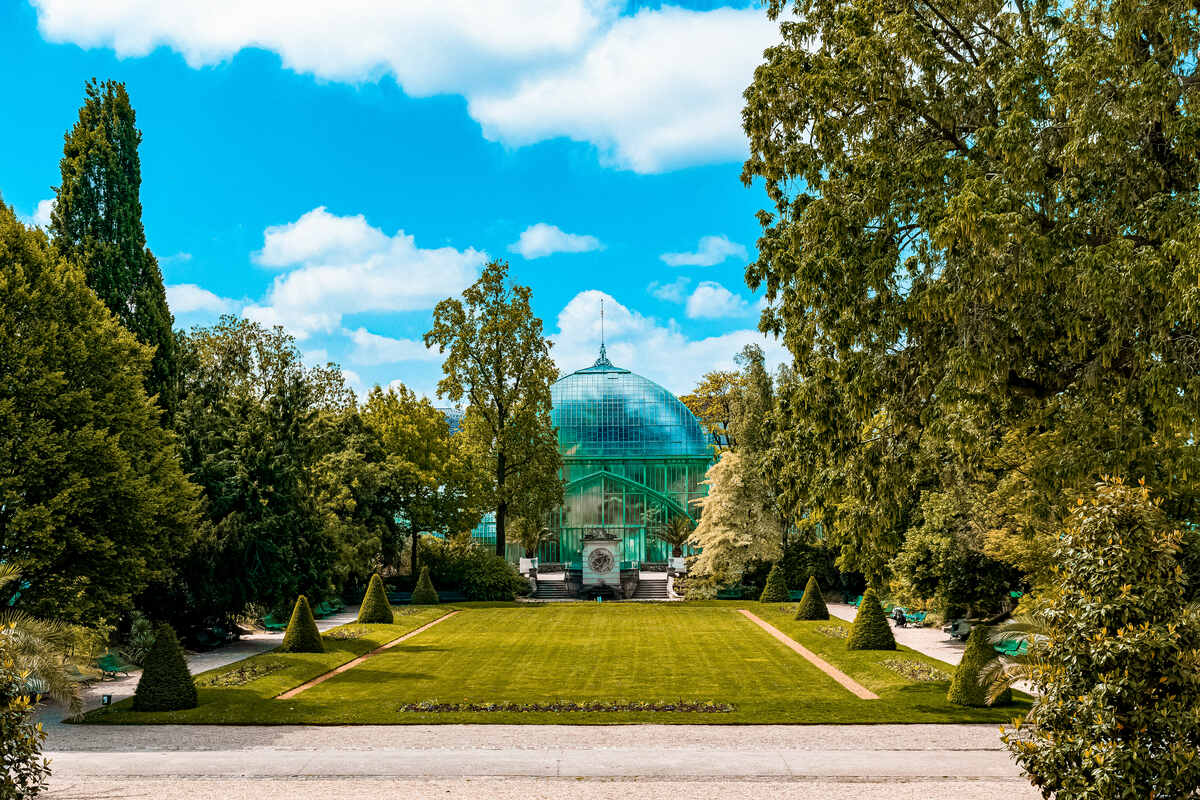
(498, 359)
(982, 248)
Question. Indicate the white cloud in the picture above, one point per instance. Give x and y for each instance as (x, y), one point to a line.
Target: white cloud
(176, 258)
(659, 90)
(371, 349)
(673, 292)
(430, 46)
(41, 215)
(184, 298)
(711, 300)
(339, 267)
(318, 234)
(543, 239)
(661, 352)
(654, 91)
(710, 250)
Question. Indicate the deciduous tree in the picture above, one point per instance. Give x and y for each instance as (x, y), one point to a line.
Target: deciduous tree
(498, 358)
(93, 503)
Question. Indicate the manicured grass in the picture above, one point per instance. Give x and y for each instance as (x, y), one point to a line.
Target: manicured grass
(586, 652)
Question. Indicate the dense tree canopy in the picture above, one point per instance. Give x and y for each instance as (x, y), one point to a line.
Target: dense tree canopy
(97, 224)
(499, 360)
(93, 503)
(255, 422)
(982, 251)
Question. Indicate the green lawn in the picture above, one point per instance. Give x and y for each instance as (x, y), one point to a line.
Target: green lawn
(577, 653)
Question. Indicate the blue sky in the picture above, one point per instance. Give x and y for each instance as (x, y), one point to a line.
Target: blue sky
(339, 167)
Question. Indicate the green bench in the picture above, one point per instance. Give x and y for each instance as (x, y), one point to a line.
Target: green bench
(273, 623)
(855, 601)
(1011, 647)
(795, 595)
(111, 665)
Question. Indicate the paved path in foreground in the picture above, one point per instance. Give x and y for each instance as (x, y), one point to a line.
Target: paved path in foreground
(485, 761)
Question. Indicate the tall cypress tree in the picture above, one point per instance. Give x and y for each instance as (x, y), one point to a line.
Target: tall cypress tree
(97, 223)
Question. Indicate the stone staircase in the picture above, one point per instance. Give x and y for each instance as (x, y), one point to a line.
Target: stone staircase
(651, 589)
(552, 590)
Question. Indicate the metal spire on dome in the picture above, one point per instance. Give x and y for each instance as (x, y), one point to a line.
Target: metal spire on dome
(602, 361)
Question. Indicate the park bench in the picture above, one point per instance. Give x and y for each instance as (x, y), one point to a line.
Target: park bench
(273, 623)
(795, 595)
(855, 601)
(1011, 647)
(916, 618)
(111, 665)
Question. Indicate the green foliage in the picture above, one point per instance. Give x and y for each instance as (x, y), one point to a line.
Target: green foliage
(97, 224)
(497, 356)
(302, 635)
(92, 498)
(24, 771)
(375, 606)
(736, 529)
(812, 605)
(425, 476)
(140, 638)
(776, 590)
(973, 289)
(1117, 671)
(964, 580)
(423, 593)
(968, 688)
(712, 401)
(871, 629)
(256, 424)
(166, 684)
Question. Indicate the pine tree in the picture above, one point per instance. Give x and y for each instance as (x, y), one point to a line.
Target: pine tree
(424, 594)
(166, 684)
(97, 224)
(871, 630)
(302, 635)
(812, 605)
(375, 607)
(776, 590)
(966, 689)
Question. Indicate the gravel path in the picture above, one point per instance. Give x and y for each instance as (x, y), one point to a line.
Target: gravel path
(930, 641)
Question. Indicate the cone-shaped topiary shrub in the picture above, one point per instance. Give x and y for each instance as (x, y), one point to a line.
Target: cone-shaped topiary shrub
(302, 635)
(965, 689)
(375, 606)
(166, 684)
(812, 605)
(424, 594)
(776, 590)
(871, 629)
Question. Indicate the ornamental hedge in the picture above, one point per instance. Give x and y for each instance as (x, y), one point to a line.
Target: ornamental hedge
(812, 605)
(424, 594)
(302, 635)
(375, 607)
(776, 590)
(966, 688)
(166, 684)
(871, 629)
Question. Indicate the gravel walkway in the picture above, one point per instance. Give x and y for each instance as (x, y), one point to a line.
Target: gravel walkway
(930, 641)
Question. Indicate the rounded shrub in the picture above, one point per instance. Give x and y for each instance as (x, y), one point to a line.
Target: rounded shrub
(871, 629)
(375, 607)
(966, 689)
(302, 635)
(166, 684)
(776, 590)
(424, 594)
(812, 605)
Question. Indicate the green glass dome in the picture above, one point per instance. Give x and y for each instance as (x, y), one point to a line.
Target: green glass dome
(604, 411)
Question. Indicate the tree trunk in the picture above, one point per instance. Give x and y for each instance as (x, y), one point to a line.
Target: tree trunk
(415, 536)
(502, 506)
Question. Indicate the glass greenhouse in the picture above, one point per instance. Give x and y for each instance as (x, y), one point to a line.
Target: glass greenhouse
(634, 456)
